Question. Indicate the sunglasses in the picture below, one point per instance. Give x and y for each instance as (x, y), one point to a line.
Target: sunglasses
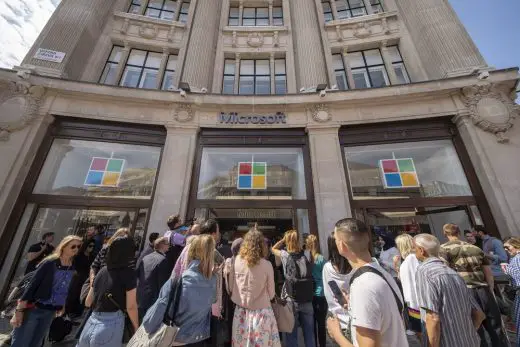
(73, 247)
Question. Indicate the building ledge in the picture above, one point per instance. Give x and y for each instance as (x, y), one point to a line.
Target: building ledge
(145, 19)
(354, 21)
(398, 93)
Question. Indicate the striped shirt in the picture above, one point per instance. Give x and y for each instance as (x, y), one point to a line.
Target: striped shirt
(441, 290)
(513, 270)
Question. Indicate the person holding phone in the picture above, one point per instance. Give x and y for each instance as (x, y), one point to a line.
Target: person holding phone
(336, 275)
(39, 251)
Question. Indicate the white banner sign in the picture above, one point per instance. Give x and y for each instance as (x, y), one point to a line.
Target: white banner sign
(49, 55)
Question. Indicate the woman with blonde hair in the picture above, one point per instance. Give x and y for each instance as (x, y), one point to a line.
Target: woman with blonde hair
(407, 272)
(298, 287)
(45, 295)
(198, 286)
(251, 286)
(318, 301)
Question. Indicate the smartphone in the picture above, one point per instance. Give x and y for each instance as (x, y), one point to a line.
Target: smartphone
(338, 294)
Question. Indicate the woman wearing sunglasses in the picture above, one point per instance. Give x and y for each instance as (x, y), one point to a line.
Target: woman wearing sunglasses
(45, 295)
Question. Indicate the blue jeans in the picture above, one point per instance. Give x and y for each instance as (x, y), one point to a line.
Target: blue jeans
(304, 317)
(103, 329)
(35, 326)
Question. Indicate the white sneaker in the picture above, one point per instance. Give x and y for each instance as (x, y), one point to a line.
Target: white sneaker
(410, 333)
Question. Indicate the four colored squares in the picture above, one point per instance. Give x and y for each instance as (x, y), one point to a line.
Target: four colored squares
(104, 172)
(399, 173)
(252, 175)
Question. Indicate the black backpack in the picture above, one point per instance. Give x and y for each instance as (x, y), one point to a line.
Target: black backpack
(60, 328)
(299, 284)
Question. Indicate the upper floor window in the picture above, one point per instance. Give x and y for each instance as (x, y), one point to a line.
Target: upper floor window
(255, 16)
(109, 74)
(163, 9)
(280, 77)
(398, 65)
(169, 72)
(340, 71)
(228, 84)
(254, 77)
(141, 69)
(349, 8)
(368, 69)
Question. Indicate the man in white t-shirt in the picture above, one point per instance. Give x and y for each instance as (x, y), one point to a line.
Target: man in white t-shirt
(374, 298)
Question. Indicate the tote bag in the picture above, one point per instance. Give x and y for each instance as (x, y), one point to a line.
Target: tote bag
(283, 312)
(165, 335)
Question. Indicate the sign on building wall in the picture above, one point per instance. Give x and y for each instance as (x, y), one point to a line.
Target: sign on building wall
(104, 172)
(398, 173)
(252, 175)
(235, 118)
(49, 55)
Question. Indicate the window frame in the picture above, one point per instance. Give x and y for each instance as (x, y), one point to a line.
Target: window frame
(108, 61)
(254, 75)
(344, 70)
(331, 13)
(233, 75)
(278, 17)
(161, 10)
(349, 9)
(366, 68)
(406, 75)
(256, 17)
(168, 70)
(276, 74)
(136, 3)
(377, 3)
(143, 67)
(230, 17)
(183, 13)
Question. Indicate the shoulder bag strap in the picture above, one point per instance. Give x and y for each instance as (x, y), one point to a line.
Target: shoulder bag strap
(366, 269)
(230, 278)
(174, 299)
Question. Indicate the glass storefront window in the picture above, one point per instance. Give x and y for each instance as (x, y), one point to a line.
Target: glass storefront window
(405, 170)
(67, 221)
(252, 173)
(101, 169)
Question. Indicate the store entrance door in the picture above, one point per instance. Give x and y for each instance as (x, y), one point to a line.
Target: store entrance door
(417, 220)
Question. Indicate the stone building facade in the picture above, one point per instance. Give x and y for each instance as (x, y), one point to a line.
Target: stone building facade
(288, 113)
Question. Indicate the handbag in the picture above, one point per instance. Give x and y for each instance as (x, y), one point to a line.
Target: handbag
(128, 329)
(167, 332)
(283, 312)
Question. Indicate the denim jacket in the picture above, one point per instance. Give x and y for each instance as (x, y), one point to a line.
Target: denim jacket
(194, 312)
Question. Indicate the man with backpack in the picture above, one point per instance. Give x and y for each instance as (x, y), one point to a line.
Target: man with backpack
(375, 303)
(298, 287)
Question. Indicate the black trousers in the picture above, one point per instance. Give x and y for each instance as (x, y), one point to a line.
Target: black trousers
(320, 306)
(493, 322)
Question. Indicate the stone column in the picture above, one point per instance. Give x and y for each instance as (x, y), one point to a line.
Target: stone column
(442, 42)
(144, 5)
(348, 70)
(177, 10)
(272, 73)
(240, 12)
(494, 151)
(200, 56)
(73, 29)
(125, 52)
(309, 58)
(388, 64)
(173, 182)
(329, 179)
(334, 9)
(368, 7)
(271, 12)
(237, 72)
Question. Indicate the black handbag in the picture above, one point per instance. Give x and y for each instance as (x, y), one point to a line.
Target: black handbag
(128, 330)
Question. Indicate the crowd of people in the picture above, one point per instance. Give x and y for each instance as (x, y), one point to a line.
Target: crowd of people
(255, 292)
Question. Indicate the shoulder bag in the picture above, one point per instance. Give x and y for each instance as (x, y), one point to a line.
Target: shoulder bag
(167, 332)
(283, 312)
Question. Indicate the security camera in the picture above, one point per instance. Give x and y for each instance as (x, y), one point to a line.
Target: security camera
(302, 89)
(334, 87)
(203, 90)
(183, 93)
(483, 75)
(323, 93)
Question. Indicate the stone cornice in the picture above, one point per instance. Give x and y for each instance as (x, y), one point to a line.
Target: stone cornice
(394, 94)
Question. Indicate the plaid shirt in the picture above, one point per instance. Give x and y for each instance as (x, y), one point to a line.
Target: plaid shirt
(467, 260)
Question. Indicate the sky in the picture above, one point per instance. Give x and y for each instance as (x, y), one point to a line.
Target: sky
(494, 25)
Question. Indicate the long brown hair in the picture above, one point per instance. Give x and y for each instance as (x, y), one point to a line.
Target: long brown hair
(203, 248)
(253, 247)
(312, 245)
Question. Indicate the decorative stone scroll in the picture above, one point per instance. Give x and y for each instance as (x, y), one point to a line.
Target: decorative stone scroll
(255, 40)
(148, 30)
(19, 105)
(491, 108)
(320, 113)
(183, 113)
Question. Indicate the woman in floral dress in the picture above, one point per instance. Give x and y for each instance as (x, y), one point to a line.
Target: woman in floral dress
(251, 283)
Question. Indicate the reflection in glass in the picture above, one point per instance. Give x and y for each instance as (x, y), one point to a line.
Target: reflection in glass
(68, 168)
(438, 169)
(64, 221)
(219, 173)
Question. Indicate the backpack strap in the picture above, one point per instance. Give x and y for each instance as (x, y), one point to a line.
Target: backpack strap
(368, 268)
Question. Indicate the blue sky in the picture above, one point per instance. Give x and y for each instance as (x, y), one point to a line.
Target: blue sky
(494, 25)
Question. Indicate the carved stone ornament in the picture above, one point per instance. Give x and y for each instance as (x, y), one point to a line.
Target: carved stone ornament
(19, 105)
(490, 108)
(183, 113)
(320, 113)
(362, 30)
(255, 40)
(148, 30)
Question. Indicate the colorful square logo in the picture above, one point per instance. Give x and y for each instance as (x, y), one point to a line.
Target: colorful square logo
(104, 172)
(252, 175)
(399, 173)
